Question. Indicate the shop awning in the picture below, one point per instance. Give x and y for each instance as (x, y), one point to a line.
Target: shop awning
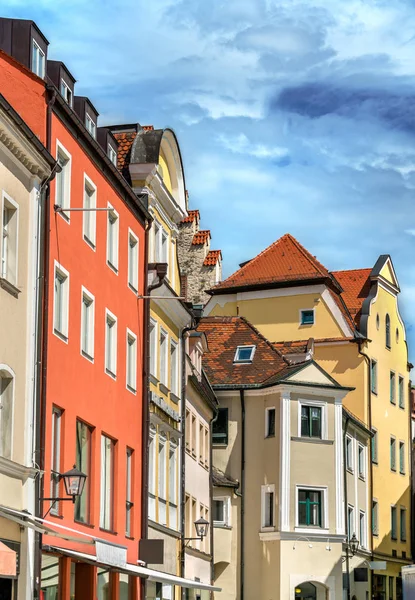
(7, 561)
(144, 572)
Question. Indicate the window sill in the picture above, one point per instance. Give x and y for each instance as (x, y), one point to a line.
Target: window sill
(111, 374)
(113, 268)
(402, 473)
(219, 444)
(108, 531)
(174, 398)
(362, 478)
(163, 389)
(349, 470)
(133, 288)
(312, 440)
(56, 515)
(64, 215)
(90, 243)
(271, 435)
(220, 525)
(153, 379)
(9, 287)
(374, 393)
(310, 529)
(393, 403)
(89, 525)
(267, 529)
(131, 389)
(61, 336)
(87, 356)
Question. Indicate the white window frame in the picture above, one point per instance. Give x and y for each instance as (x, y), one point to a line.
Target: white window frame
(131, 379)
(401, 379)
(112, 154)
(325, 526)
(392, 399)
(172, 263)
(89, 218)
(89, 352)
(173, 462)
(62, 335)
(363, 542)
(350, 468)
(375, 529)
(154, 337)
(162, 479)
(7, 373)
(112, 372)
(39, 52)
(152, 461)
(226, 511)
(313, 310)
(164, 376)
(66, 92)
(133, 281)
(267, 410)
(56, 453)
(267, 489)
(113, 264)
(60, 149)
(107, 492)
(10, 204)
(353, 520)
(319, 404)
(246, 361)
(401, 443)
(362, 447)
(90, 125)
(174, 373)
(129, 504)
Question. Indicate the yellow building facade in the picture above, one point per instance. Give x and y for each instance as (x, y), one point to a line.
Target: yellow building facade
(359, 339)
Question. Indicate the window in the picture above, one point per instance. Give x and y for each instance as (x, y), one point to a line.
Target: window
(66, 92)
(269, 422)
(361, 461)
(402, 458)
(112, 154)
(112, 238)
(55, 466)
(375, 517)
(310, 421)
(362, 529)
(221, 512)
(164, 246)
(83, 463)
(220, 427)
(193, 419)
(107, 482)
(374, 446)
(63, 180)
(201, 444)
(393, 454)
(38, 60)
(153, 347)
(87, 324)
(207, 447)
(90, 125)
(61, 302)
(387, 331)
(244, 354)
(173, 484)
(391, 585)
(89, 214)
(309, 508)
(401, 392)
(374, 376)
(174, 367)
(393, 523)
(268, 505)
(163, 357)
(187, 430)
(162, 467)
(152, 473)
(128, 492)
(131, 361)
(111, 344)
(392, 397)
(161, 239)
(9, 249)
(349, 453)
(350, 522)
(307, 317)
(133, 261)
(403, 524)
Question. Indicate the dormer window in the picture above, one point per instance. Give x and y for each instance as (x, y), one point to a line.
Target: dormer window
(38, 60)
(112, 154)
(66, 92)
(307, 317)
(244, 354)
(90, 125)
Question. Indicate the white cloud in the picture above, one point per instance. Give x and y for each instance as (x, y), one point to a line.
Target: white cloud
(240, 144)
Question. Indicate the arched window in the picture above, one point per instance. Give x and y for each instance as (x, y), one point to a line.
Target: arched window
(388, 331)
(6, 411)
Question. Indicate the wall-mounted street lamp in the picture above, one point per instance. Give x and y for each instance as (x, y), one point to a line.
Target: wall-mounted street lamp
(353, 545)
(202, 527)
(74, 481)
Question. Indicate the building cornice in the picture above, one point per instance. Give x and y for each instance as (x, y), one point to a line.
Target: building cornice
(16, 470)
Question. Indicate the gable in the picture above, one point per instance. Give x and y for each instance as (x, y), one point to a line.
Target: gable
(388, 273)
(311, 374)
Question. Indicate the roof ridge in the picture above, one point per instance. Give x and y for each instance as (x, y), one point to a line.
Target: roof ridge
(307, 254)
(351, 270)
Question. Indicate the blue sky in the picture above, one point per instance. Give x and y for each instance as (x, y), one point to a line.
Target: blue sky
(293, 116)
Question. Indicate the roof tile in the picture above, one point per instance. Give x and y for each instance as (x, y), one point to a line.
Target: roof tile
(125, 142)
(356, 287)
(191, 216)
(201, 237)
(212, 258)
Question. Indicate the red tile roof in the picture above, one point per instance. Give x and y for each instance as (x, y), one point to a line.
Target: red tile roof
(191, 216)
(286, 260)
(300, 346)
(125, 141)
(212, 258)
(224, 335)
(356, 287)
(201, 237)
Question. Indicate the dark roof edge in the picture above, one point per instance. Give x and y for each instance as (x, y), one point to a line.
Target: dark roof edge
(267, 286)
(357, 421)
(255, 386)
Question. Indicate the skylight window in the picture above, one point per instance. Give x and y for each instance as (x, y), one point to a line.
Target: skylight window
(244, 354)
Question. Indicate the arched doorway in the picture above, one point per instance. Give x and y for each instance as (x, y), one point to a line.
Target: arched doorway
(310, 590)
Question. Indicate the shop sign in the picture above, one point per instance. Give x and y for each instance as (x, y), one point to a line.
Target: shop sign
(110, 554)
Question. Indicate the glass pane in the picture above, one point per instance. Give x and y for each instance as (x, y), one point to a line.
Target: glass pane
(315, 422)
(103, 584)
(244, 353)
(302, 513)
(305, 424)
(218, 510)
(49, 577)
(315, 514)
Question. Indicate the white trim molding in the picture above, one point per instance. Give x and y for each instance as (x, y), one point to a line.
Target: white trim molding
(285, 437)
(338, 449)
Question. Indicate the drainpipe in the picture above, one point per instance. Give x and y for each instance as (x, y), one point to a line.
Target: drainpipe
(369, 396)
(161, 270)
(346, 519)
(241, 495)
(43, 319)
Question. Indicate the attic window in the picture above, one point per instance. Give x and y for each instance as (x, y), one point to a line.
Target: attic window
(38, 60)
(307, 317)
(112, 154)
(66, 92)
(244, 354)
(90, 125)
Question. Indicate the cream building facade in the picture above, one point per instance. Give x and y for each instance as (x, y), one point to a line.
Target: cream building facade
(25, 167)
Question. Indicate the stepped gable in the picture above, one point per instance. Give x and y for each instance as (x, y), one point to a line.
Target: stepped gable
(284, 261)
(212, 258)
(224, 335)
(191, 216)
(201, 237)
(356, 287)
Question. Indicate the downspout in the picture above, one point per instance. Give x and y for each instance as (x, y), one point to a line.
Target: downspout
(346, 515)
(241, 495)
(41, 368)
(369, 403)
